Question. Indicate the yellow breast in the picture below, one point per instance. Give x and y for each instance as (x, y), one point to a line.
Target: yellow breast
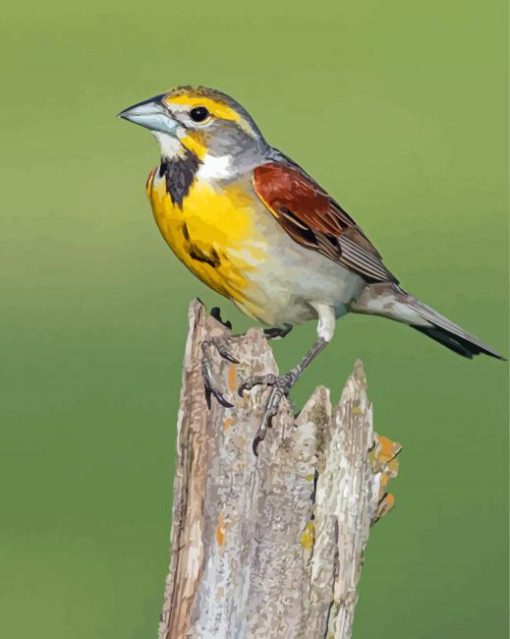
(213, 234)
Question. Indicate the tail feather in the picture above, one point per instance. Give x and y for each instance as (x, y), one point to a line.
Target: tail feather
(462, 346)
(389, 300)
(444, 331)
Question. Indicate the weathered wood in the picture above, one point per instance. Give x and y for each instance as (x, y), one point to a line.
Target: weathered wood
(269, 546)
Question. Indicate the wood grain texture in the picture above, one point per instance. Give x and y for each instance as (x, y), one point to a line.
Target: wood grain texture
(270, 546)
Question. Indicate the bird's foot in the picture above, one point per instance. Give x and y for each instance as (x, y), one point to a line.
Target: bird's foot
(278, 332)
(220, 344)
(280, 388)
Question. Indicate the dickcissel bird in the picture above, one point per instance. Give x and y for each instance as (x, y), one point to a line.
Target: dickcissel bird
(255, 227)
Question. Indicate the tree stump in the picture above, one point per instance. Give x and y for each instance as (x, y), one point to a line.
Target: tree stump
(269, 546)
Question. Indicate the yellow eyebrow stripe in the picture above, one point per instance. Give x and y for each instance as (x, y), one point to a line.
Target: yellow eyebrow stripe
(219, 109)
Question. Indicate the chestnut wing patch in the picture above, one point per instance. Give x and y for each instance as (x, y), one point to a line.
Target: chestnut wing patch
(314, 220)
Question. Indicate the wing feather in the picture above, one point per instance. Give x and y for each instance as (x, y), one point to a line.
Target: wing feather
(314, 220)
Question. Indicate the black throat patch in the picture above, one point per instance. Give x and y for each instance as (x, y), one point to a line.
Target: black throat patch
(179, 173)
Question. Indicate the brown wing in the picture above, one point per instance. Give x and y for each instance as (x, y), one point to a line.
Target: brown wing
(314, 220)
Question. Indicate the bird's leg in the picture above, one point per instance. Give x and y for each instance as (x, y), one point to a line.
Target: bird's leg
(220, 344)
(281, 384)
(278, 332)
(280, 388)
(211, 387)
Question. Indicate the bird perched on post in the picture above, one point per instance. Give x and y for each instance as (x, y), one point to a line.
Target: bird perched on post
(255, 227)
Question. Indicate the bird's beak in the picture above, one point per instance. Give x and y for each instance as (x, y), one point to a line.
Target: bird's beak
(150, 114)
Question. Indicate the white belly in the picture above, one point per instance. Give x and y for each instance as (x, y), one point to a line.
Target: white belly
(284, 287)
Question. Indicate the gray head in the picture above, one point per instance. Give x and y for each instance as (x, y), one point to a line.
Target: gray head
(210, 124)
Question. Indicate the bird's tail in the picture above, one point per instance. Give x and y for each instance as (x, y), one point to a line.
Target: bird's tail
(388, 300)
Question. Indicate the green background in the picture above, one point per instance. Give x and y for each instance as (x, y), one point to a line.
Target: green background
(399, 109)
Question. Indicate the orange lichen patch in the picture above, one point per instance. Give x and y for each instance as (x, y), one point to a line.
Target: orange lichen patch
(220, 530)
(384, 480)
(387, 448)
(386, 504)
(227, 423)
(232, 377)
(308, 536)
(383, 459)
(383, 456)
(392, 467)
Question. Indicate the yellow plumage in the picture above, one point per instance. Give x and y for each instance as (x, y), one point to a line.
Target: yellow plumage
(213, 234)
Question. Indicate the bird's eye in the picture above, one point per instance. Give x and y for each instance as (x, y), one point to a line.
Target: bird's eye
(199, 114)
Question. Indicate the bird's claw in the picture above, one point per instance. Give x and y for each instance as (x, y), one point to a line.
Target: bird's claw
(210, 391)
(210, 386)
(278, 332)
(223, 350)
(216, 313)
(259, 380)
(280, 388)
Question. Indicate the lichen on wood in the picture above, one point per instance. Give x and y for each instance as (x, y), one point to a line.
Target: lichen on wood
(271, 546)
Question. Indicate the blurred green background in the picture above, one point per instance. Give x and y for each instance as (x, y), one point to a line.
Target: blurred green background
(399, 109)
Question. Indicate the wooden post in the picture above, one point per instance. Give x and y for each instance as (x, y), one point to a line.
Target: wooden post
(269, 547)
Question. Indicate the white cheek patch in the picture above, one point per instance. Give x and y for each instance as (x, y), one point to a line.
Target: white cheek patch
(169, 144)
(215, 168)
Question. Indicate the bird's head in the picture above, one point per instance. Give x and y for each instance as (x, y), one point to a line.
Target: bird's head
(206, 122)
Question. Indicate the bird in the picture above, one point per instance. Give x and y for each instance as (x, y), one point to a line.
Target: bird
(255, 227)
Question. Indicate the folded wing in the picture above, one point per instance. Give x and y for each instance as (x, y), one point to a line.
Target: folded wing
(314, 220)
